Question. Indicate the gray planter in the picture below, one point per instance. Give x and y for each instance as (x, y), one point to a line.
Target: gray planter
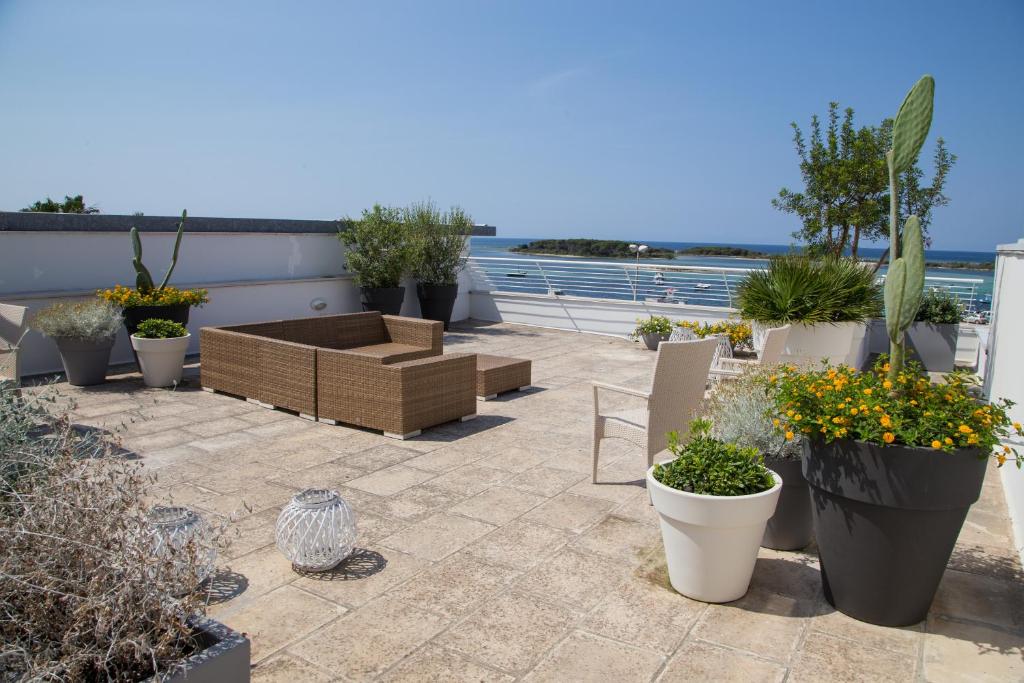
(934, 346)
(652, 340)
(85, 360)
(790, 527)
(224, 659)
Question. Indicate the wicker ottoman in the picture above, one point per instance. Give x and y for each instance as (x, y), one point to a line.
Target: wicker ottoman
(495, 374)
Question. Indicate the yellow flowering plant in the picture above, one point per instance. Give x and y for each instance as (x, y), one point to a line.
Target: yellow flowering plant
(128, 297)
(739, 332)
(840, 403)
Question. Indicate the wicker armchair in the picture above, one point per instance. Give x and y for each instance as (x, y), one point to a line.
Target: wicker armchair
(680, 376)
(12, 330)
(773, 345)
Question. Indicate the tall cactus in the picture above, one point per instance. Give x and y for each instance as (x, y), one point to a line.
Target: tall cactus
(904, 283)
(143, 279)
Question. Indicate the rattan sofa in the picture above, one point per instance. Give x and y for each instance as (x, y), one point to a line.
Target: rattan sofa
(367, 369)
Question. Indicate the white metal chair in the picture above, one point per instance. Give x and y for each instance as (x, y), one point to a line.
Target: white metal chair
(770, 353)
(12, 329)
(680, 376)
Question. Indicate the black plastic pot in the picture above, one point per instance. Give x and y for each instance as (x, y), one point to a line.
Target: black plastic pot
(933, 345)
(790, 527)
(134, 315)
(85, 360)
(387, 300)
(437, 301)
(224, 657)
(886, 520)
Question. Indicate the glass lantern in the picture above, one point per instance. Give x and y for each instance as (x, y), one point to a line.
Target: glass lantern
(180, 538)
(316, 530)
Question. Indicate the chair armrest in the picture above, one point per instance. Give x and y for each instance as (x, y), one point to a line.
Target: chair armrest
(426, 334)
(738, 362)
(621, 390)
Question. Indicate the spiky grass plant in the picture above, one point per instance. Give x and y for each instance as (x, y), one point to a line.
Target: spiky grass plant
(799, 289)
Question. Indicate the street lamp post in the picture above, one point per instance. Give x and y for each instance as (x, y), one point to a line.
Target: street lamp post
(637, 249)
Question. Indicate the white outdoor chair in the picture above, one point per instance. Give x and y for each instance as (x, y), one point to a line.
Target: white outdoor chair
(770, 353)
(680, 375)
(12, 329)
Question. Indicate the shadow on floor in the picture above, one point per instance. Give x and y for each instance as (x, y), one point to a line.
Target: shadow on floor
(225, 585)
(361, 564)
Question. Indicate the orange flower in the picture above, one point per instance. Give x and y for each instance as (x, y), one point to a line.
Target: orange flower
(936, 444)
(888, 437)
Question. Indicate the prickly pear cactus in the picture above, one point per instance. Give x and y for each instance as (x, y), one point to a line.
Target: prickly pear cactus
(143, 279)
(904, 289)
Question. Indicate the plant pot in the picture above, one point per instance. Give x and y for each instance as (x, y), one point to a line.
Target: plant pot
(134, 315)
(437, 301)
(161, 360)
(711, 542)
(886, 520)
(790, 527)
(652, 340)
(836, 343)
(85, 360)
(387, 300)
(223, 659)
(934, 346)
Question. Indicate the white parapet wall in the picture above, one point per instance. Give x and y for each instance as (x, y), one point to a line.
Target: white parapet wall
(1004, 374)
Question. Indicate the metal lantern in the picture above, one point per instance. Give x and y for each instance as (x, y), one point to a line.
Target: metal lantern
(316, 530)
(180, 537)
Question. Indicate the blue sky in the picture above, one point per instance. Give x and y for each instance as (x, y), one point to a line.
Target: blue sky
(656, 121)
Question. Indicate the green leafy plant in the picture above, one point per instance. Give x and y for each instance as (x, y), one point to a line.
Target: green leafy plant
(799, 289)
(158, 328)
(742, 411)
(143, 279)
(379, 248)
(438, 240)
(127, 297)
(87, 320)
(710, 467)
(656, 324)
(939, 307)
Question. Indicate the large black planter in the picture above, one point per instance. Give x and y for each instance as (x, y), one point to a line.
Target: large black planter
(85, 360)
(134, 315)
(224, 657)
(933, 345)
(886, 520)
(387, 300)
(790, 527)
(437, 301)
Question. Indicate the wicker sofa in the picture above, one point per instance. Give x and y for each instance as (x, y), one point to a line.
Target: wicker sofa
(367, 369)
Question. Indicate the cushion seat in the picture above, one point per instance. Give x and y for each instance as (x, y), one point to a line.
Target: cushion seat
(392, 352)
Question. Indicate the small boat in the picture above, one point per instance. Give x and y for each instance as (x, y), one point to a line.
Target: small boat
(702, 285)
(516, 273)
(555, 292)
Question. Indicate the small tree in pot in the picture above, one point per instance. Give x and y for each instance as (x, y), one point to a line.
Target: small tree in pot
(378, 255)
(161, 346)
(713, 502)
(84, 333)
(932, 337)
(438, 244)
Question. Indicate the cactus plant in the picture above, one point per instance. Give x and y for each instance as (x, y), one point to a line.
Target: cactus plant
(904, 284)
(143, 279)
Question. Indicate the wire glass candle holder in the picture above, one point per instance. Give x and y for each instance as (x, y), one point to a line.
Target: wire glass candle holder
(316, 530)
(181, 541)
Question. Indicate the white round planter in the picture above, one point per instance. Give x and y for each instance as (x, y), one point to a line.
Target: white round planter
(711, 542)
(161, 360)
(845, 343)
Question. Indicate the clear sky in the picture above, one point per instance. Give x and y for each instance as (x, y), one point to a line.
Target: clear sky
(657, 121)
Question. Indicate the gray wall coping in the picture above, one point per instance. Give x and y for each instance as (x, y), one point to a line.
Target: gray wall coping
(26, 221)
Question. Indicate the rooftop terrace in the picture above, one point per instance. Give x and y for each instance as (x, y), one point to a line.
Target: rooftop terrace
(485, 553)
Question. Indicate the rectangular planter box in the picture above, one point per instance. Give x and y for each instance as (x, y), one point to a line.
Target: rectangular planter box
(934, 346)
(845, 343)
(224, 659)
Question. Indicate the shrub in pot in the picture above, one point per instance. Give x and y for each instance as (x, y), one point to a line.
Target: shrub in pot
(932, 337)
(827, 302)
(739, 333)
(161, 346)
(438, 243)
(742, 411)
(84, 332)
(713, 501)
(652, 331)
(378, 255)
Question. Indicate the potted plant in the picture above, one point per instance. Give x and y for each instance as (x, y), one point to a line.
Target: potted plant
(160, 346)
(713, 501)
(652, 331)
(148, 300)
(826, 301)
(742, 412)
(84, 332)
(438, 244)
(378, 256)
(738, 332)
(894, 462)
(933, 335)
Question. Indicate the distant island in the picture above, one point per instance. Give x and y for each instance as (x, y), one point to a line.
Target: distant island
(722, 251)
(962, 265)
(590, 248)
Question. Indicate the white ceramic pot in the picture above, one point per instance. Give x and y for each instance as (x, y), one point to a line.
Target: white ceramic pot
(837, 343)
(161, 360)
(711, 542)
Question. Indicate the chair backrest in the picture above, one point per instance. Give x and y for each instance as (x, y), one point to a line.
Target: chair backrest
(680, 378)
(12, 329)
(342, 331)
(774, 344)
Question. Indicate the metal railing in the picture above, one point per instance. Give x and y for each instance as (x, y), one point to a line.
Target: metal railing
(648, 282)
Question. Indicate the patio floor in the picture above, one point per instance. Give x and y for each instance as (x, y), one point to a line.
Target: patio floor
(485, 553)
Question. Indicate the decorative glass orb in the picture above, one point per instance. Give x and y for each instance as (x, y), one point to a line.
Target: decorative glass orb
(316, 530)
(180, 537)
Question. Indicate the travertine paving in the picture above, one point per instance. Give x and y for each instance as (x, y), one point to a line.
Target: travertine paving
(486, 554)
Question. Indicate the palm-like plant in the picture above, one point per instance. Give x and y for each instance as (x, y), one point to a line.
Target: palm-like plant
(798, 289)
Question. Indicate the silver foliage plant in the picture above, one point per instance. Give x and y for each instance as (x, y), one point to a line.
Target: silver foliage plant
(90, 320)
(82, 596)
(741, 411)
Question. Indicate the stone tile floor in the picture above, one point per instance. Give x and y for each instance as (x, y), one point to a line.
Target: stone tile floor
(486, 554)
